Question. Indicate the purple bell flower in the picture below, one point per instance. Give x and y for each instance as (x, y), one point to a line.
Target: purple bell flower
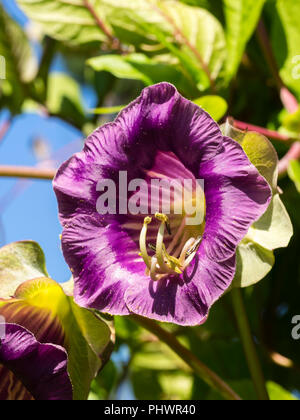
(156, 264)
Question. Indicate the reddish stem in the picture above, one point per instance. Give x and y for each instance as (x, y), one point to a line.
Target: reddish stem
(287, 98)
(115, 43)
(264, 131)
(4, 129)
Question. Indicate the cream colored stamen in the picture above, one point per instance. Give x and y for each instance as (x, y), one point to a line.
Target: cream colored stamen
(163, 263)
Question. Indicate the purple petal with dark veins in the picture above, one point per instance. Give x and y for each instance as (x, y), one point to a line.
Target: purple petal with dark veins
(40, 368)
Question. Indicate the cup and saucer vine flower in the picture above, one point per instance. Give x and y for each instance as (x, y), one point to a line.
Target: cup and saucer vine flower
(50, 348)
(157, 265)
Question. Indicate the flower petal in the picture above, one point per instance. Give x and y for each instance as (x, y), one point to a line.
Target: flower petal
(185, 301)
(100, 259)
(42, 368)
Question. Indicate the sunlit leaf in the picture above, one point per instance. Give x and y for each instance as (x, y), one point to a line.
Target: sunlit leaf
(135, 66)
(259, 150)
(278, 393)
(294, 173)
(68, 21)
(64, 97)
(216, 106)
(253, 263)
(274, 229)
(201, 34)
(105, 382)
(107, 110)
(285, 38)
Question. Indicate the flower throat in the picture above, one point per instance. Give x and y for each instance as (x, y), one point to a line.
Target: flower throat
(172, 260)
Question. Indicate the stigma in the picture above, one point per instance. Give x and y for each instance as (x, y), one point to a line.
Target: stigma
(172, 260)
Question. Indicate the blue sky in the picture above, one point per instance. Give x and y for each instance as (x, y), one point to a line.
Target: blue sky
(28, 210)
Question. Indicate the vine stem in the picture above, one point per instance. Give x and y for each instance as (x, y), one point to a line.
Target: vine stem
(27, 172)
(268, 133)
(115, 43)
(210, 377)
(248, 344)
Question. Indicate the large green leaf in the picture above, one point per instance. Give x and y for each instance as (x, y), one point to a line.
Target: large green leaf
(241, 20)
(286, 40)
(65, 20)
(200, 33)
(140, 67)
(41, 305)
(259, 150)
(20, 64)
(197, 33)
(84, 28)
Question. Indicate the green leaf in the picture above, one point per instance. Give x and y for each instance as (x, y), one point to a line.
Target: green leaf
(125, 19)
(278, 393)
(294, 173)
(19, 262)
(285, 37)
(216, 106)
(241, 20)
(191, 34)
(103, 385)
(157, 373)
(20, 64)
(108, 110)
(64, 97)
(259, 150)
(69, 21)
(134, 66)
(176, 385)
(194, 34)
(262, 155)
(274, 229)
